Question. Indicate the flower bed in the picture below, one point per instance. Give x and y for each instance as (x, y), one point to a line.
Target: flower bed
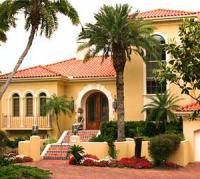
(91, 160)
(15, 158)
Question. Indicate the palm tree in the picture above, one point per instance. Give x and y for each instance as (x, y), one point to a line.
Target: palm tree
(118, 35)
(40, 16)
(6, 20)
(55, 106)
(161, 107)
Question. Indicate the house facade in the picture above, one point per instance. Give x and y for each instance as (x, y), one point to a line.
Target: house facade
(90, 87)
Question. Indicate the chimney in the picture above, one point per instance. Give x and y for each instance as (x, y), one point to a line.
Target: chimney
(80, 55)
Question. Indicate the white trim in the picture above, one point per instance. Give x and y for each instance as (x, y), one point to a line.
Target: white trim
(13, 92)
(95, 87)
(43, 91)
(60, 140)
(29, 91)
(45, 150)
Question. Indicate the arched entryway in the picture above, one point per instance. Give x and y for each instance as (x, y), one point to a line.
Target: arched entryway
(97, 110)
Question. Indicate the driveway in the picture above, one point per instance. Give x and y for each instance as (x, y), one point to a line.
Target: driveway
(62, 170)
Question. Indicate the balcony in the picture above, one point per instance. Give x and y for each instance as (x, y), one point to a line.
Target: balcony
(25, 123)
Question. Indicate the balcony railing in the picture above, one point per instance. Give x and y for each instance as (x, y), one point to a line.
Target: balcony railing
(25, 123)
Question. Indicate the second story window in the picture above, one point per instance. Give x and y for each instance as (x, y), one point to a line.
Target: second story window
(153, 86)
(43, 100)
(29, 104)
(16, 105)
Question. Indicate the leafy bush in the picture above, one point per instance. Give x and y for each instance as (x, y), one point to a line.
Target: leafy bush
(14, 143)
(99, 138)
(4, 161)
(131, 128)
(109, 129)
(25, 172)
(146, 128)
(162, 146)
(3, 141)
(48, 141)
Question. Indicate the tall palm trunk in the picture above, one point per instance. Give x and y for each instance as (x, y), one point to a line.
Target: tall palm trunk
(119, 61)
(58, 124)
(120, 106)
(21, 58)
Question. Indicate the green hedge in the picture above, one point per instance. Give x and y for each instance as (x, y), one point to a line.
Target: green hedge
(146, 128)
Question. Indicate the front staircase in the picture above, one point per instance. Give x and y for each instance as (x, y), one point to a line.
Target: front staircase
(58, 150)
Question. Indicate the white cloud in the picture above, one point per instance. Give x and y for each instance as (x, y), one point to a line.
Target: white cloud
(62, 45)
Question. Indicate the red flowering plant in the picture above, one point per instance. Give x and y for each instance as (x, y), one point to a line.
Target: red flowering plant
(135, 163)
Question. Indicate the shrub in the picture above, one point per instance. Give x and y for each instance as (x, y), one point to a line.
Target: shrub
(162, 146)
(3, 141)
(4, 161)
(14, 143)
(109, 129)
(48, 141)
(99, 138)
(25, 172)
(131, 128)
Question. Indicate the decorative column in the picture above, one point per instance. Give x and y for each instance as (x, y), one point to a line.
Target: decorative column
(35, 110)
(21, 107)
(8, 112)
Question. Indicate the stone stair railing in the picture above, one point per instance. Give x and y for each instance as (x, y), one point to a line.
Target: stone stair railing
(57, 151)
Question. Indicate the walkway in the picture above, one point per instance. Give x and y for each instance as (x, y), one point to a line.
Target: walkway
(62, 170)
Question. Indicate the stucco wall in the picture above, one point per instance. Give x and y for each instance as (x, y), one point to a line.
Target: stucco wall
(127, 149)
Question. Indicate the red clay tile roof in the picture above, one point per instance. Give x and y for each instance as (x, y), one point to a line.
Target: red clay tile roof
(69, 68)
(189, 107)
(33, 72)
(163, 13)
(76, 68)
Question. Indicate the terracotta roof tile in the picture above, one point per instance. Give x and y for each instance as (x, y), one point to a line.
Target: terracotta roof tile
(78, 69)
(161, 13)
(189, 107)
(69, 68)
(33, 72)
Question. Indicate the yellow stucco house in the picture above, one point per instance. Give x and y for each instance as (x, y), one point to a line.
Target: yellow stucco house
(91, 86)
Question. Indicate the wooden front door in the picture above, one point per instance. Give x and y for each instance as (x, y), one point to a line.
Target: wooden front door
(96, 110)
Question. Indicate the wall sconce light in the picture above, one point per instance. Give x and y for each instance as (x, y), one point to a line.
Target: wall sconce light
(114, 104)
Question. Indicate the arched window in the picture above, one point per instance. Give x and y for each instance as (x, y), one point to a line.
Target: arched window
(29, 104)
(153, 86)
(43, 100)
(16, 104)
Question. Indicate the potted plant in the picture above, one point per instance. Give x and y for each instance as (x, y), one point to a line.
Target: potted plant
(138, 143)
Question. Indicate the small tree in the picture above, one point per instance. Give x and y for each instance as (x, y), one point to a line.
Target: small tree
(161, 107)
(184, 65)
(56, 105)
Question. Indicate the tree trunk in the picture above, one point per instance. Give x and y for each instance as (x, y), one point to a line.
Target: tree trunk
(21, 58)
(119, 61)
(58, 125)
(120, 106)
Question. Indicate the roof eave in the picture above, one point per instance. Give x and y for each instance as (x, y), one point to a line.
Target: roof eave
(35, 79)
(169, 18)
(110, 78)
